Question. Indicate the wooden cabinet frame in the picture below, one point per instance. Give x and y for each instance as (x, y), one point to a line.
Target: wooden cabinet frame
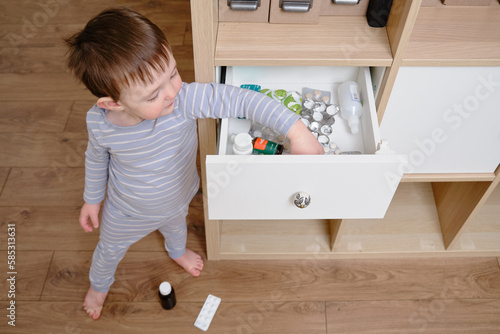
(458, 198)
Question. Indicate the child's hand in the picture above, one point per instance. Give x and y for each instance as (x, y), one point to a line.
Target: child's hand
(89, 216)
(302, 140)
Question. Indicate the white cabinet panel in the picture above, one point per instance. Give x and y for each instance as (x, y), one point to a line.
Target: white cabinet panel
(446, 119)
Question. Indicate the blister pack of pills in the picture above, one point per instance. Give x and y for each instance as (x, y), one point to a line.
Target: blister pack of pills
(311, 96)
(318, 113)
(207, 312)
(290, 99)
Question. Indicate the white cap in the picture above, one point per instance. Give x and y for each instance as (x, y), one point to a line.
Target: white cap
(165, 288)
(353, 124)
(243, 141)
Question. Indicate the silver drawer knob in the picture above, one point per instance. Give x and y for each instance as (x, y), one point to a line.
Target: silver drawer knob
(295, 6)
(247, 5)
(302, 200)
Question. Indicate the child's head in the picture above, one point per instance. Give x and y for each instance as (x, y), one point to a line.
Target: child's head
(117, 49)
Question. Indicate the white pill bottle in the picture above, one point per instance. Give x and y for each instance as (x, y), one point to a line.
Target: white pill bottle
(242, 144)
(350, 104)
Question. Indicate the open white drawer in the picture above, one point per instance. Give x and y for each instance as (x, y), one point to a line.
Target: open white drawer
(340, 186)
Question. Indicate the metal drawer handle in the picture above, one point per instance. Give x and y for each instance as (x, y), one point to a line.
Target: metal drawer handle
(346, 2)
(295, 6)
(302, 200)
(247, 5)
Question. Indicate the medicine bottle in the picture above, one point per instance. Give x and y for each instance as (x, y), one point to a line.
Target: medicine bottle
(242, 144)
(167, 296)
(350, 104)
(266, 147)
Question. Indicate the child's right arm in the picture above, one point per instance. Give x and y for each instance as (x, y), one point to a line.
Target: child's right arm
(96, 178)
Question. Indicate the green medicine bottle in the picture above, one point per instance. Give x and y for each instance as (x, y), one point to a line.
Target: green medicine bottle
(265, 147)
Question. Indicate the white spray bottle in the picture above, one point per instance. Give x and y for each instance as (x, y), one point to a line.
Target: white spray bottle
(350, 104)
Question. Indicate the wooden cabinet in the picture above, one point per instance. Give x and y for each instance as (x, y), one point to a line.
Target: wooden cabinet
(431, 214)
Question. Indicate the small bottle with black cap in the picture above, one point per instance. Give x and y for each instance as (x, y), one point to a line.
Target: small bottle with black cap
(167, 296)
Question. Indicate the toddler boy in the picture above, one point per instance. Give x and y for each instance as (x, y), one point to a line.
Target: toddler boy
(141, 154)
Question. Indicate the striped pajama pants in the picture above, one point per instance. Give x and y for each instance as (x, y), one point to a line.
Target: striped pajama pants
(119, 231)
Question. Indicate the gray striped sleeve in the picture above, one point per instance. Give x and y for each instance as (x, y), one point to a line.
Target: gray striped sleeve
(96, 171)
(223, 101)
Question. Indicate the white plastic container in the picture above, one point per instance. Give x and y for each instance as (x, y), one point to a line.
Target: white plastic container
(350, 104)
(242, 144)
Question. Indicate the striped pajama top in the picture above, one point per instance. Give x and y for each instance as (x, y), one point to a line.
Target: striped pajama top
(149, 169)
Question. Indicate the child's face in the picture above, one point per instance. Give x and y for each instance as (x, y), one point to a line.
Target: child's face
(150, 101)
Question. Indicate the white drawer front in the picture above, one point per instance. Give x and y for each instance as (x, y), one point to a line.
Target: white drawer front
(263, 187)
(340, 186)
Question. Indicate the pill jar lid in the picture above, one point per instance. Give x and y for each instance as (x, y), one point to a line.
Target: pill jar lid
(165, 288)
(243, 141)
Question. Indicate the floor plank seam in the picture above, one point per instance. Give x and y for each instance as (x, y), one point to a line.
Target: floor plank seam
(5, 181)
(326, 319)
(69, 116)
(46, 275)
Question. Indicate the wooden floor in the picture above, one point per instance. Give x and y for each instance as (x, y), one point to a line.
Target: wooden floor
(42, 144)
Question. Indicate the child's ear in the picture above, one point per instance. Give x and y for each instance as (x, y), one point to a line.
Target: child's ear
(109, 103)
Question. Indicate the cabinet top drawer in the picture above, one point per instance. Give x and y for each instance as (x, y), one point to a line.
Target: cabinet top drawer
(339, 186)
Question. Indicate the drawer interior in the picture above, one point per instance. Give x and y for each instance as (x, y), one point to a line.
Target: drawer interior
(322, 78)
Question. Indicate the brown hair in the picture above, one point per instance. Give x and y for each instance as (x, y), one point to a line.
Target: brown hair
(117, 48)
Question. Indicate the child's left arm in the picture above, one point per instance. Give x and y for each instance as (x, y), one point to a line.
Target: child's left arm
(302, 141)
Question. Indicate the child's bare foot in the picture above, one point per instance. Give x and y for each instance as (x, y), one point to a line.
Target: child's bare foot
(93, 303)
(191, 262)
